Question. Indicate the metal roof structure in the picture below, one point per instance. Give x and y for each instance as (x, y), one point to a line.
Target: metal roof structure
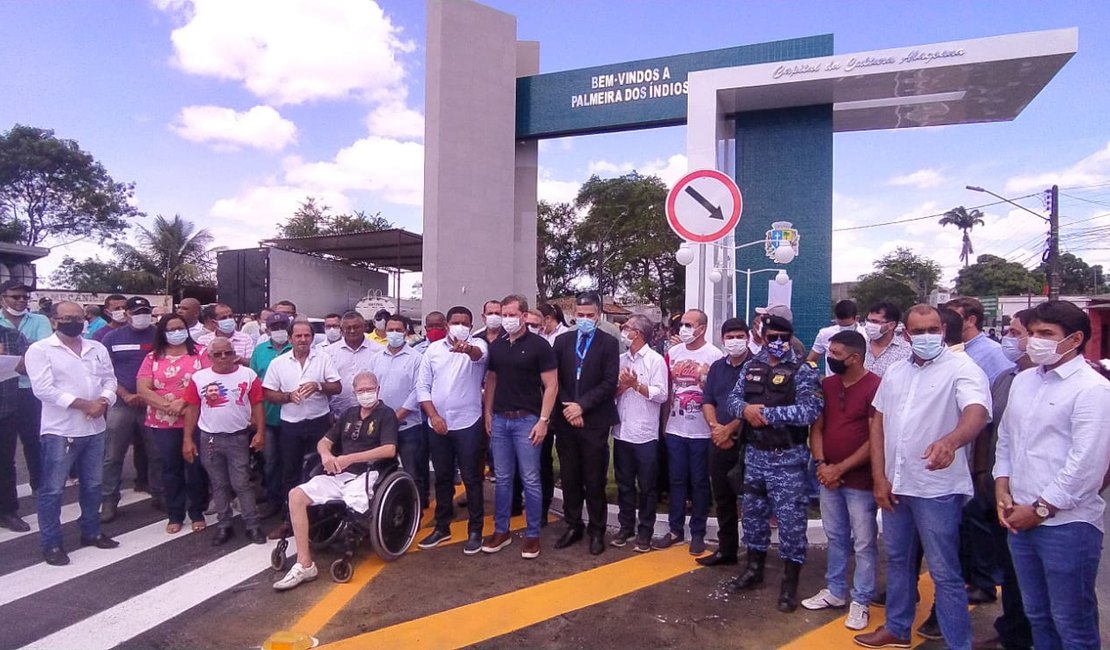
(395, 248)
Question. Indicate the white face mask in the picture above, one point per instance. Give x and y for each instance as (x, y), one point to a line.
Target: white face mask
(367, 399)
(686, 334)
(535, 329)
(226, 325)
(459, 332)
(754, 347)
(333, 334)
(493, 321)
(626, 338)
(119, 316)
(1043, 351)
(16, 312)
(379, 324)
(510, 324)
(1011, 347)
(874, 330)
(140, 321)
(279, 337)
(735, 347)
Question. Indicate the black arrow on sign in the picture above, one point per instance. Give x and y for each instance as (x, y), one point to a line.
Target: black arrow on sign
(714, 210)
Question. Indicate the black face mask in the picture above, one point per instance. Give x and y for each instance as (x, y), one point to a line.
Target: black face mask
(71, 329)
(838, 366)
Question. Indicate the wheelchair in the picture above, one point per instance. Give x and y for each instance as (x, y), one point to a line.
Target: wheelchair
(390, 523)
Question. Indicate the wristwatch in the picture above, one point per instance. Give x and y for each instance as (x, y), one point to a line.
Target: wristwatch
(1042, 509)
(545, 418)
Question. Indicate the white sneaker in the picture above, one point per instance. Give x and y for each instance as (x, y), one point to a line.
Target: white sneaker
(296, 576)
(859, 616)
(824, 599)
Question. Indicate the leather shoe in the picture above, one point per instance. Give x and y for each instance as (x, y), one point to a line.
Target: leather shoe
(108, 512)
(14, 523)
(597, 544)
(717, 559)
(222, 535)
(282, 531)
(100, 541)
(572, 536)
(880, 638)
(55, 556)
(255, 536)
(977, 596)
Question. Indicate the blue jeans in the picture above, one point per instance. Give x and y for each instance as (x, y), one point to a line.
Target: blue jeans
(935, 525)
(689, 463)
(412, 448)
(848, 516)
(511, 450)
(1056, 568)
(86, 453)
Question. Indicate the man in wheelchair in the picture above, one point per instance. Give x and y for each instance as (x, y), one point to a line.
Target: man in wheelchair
(363, 436)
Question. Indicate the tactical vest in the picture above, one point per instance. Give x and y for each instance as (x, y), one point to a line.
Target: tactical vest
(772, 386)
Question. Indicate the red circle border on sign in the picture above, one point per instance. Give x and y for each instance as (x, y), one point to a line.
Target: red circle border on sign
(730, 224)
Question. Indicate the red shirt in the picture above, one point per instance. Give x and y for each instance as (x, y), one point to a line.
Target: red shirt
(847, 411)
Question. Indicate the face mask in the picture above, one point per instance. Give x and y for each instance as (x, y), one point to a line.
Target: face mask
(226, 325)
(119, 316)
(686, 334)
(176, 337)
(754, 347)
(510, 324)
(379, 324)
(16, 312)
(838, 366)
(1010, 348)
(395, 339)
(436, 333)
(535, 329)
(874, 331)
(368, 399)
(279, 337)
(735, 347)
(72, 330)
(1043, 351)
(626, 338)
(333, 334)
(493, 321)
(460, 332)
(140, 321)
(587, 325)
(777, 349)
(927, 346)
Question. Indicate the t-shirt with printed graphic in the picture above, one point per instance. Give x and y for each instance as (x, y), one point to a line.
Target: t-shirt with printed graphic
(170, 376)
(224, 399)
(689, 368)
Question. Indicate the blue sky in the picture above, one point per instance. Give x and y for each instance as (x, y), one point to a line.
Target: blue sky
(230, 112)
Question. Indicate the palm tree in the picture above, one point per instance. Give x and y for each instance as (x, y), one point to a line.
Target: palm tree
(173, 252)
(965, 221)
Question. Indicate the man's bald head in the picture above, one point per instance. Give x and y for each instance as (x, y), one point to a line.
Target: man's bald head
(189, 309)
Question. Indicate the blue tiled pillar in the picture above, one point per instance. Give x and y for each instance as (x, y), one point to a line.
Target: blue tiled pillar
(784, 169)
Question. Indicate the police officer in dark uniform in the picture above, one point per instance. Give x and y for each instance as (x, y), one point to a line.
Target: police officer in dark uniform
(778, 396)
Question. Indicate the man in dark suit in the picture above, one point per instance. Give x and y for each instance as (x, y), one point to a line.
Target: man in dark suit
(589, 364)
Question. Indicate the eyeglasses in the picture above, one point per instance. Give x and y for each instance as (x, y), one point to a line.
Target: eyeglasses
(221, 355)
(785, 338)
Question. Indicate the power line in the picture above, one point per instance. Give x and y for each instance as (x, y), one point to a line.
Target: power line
(928, 216)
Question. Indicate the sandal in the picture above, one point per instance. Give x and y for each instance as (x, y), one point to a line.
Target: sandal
(173, 528)
(199, 525)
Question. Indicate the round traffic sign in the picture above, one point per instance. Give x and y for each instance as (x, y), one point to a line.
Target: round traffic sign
(704, 206)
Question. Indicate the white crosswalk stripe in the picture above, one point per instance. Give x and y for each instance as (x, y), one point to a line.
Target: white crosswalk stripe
(70, 512)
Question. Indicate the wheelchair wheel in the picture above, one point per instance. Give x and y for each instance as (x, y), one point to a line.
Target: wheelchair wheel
(396, 514)
(277, 557)
(326, 524)
(341, 570)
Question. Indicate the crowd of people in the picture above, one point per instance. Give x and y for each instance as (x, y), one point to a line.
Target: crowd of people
(986, 458)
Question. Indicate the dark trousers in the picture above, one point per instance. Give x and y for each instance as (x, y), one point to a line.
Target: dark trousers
(584, 469)
(412, 447)
(28, 416)
(9, 500)
(461, 447)
(271, 465)
(298, 439)
(977, 550)
(636, 465)
(185, 485)
(721, 461)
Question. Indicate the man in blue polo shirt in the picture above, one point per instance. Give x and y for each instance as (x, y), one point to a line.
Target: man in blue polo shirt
(14, 295)
(127, 347)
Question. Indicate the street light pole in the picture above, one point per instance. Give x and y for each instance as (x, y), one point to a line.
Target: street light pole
(1053, 219)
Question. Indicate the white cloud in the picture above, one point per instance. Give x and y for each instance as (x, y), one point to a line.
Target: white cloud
(291, 51)
(922, 179)
(390, 168)
(556, 191)
(606, 168)
(669, 170)
(226, 129)
(395, 120)
(1093, 169)
(262, 207)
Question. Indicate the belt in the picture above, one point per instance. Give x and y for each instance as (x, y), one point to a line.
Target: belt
(516, 415)
(775, 448)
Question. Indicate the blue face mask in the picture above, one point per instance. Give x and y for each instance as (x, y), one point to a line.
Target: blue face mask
(1010, 348)
(927, 346)
(395, 339)
(777, 349)
(176, 337)
(587, 326)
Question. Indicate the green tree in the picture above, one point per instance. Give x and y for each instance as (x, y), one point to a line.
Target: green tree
(52, 192)
(313, 219)
(94, 275)
(965, 221)
(624, 242)
(902, 277)
(172, 253)
(991, 275)
(1077, 276)
(557, 254)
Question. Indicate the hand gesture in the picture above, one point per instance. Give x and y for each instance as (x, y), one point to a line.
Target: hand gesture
(439, 425)
(753, 414)
(939, 455)
(884, 495)
(572, 410)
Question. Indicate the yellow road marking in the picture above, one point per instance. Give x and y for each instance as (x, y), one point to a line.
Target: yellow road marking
(477, 622)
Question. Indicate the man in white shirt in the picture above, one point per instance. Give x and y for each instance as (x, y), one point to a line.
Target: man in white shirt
(1053, 451)
(397, 368)
(241, 342)
(449, 387)
(351, 354)
(73, 378)
(847, 319)
(928, 408)
(688, 436)
(301, 380)
(641, 391)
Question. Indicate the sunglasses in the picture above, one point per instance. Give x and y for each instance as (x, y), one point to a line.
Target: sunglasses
(785, 338)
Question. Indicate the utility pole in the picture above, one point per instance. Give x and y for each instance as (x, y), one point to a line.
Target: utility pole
(1054, 243)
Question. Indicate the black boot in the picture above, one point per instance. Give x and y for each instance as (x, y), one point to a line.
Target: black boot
(788, 595)
(752, 576)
